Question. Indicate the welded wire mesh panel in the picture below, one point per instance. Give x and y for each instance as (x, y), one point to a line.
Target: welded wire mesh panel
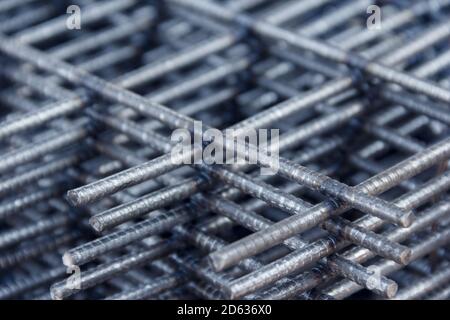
(239, 149)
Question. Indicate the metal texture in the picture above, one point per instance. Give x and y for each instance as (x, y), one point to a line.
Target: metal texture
(95, 204)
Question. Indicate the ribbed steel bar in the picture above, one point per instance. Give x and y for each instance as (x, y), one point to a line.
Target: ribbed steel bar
(254, 222)
(325, 50)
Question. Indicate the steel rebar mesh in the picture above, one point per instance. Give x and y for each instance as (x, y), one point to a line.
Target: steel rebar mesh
(358, 205)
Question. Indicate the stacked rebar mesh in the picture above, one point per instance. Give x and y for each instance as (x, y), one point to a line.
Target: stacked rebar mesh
(358, 206)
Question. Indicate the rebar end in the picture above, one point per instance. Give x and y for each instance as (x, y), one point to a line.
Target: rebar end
(405, 256)
(74, 198)
(55, 292)
(96, 224)
(68, 259)
(407, 219)
(216, 261)
(391, 289)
